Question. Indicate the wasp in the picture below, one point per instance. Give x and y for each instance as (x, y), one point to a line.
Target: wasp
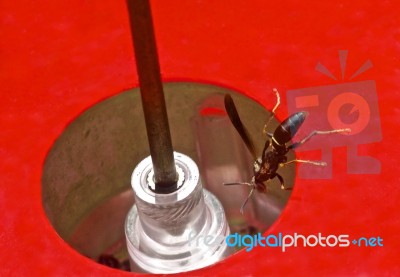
(275, 149)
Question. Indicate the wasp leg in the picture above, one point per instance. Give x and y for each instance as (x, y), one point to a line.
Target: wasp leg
(247, 199)
(282, 182)
(278, 101)
(313, 133)
(303, 161)
(238, 183)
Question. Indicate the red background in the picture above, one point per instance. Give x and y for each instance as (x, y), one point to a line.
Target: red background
(60, 57)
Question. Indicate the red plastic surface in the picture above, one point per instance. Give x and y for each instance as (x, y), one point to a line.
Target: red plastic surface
(57, 58)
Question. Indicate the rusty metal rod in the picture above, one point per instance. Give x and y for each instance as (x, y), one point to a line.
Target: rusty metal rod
(152, 94)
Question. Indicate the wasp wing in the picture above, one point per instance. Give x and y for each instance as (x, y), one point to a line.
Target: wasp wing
(235, 119)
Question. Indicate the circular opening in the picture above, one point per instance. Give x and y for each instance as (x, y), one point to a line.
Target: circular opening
(86, 180)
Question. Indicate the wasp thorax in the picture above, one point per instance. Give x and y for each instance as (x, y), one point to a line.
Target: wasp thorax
(257, 165)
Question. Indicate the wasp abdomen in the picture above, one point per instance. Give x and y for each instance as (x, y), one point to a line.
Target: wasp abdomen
(288, 128)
